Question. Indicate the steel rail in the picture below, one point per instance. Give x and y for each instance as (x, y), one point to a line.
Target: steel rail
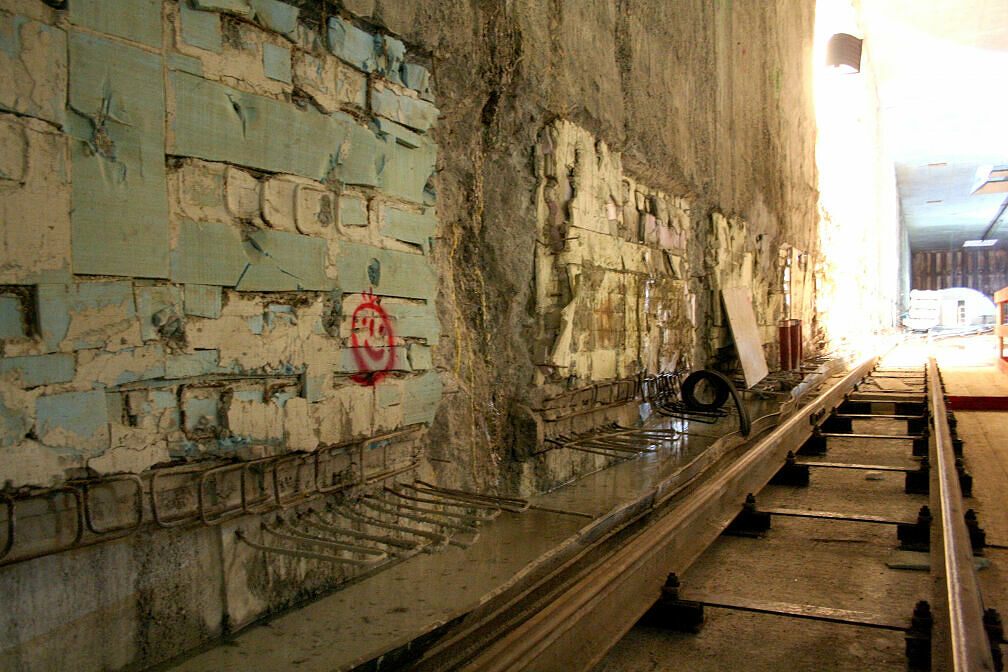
(575, 629)
(970, 648)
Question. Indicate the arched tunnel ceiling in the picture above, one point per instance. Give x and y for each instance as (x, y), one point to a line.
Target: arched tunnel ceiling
(942, 71)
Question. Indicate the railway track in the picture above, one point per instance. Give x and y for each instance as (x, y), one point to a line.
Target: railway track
(568, 618)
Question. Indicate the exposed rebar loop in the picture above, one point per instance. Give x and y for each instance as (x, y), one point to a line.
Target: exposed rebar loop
(381, 506)
(300, 553)
(466, 514)
(315, 520)
(663, 389)
(662, 392)
(513, 504)
(83, 520)
(286, 527)
(366, 519)
(614, 440)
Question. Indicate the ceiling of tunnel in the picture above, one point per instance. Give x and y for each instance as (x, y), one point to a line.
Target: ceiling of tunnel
(942, 70)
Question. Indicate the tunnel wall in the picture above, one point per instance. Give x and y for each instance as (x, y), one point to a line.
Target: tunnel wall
(235, 230)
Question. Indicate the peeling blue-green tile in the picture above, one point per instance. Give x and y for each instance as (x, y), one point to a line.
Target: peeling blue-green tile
(97, 298)
(419, 357)
(279, 314)
(352, 45)
(137, 20)
(405, 172)
(360, 156)
(215, 122)
(200, 29)
(402, 134)
(282, 397)
(409, 227)
(276, 16)
(41, 369)
(388, 395)
(75, 420)
(199, 363)
(393, 52)
(99, 294)
(353, 211)
(208, 253)
(119, 221)
(162, 399)
(284, 262)
(415, 321)
(255, 324)
(314, 387)
(277, 62)
(11, 317)
(14, 425)
(153, 304)
(203, 300)
(420, 398)
(155, 370)
(201, 412)
(189, 64)
(408, 111)
(417, 77)
(53, 314)
(237, 7)
(255, 395)
(34, 72)
(397, 273)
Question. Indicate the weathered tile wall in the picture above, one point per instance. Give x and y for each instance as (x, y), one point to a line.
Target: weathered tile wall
(611, 269)
(241, 262)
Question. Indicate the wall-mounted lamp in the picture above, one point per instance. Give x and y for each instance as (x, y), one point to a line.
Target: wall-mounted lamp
(844, 51)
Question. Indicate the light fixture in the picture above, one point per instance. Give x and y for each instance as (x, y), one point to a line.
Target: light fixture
(843, 51)
(989, 242)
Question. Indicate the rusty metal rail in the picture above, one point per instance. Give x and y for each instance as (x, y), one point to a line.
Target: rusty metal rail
(967, 642)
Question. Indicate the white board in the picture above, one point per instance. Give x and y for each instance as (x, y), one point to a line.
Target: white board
(742, 320)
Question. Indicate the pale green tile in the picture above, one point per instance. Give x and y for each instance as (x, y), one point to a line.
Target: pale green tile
(405, 172)
(208, 253)
(277, 62)
(409, 227)
(284, 262)
(11, 317)
(397, 273)
(421, 396)
(200, 29)
(203, 300)
(41, 369)
(218, 123)
(276, 16)
(352, 45)
(137, 20)
(119, 223)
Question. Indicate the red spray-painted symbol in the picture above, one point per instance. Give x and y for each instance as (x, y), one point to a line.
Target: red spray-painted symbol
(373, 341)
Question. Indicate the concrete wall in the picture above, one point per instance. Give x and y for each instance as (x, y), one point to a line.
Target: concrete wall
(236, 229)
